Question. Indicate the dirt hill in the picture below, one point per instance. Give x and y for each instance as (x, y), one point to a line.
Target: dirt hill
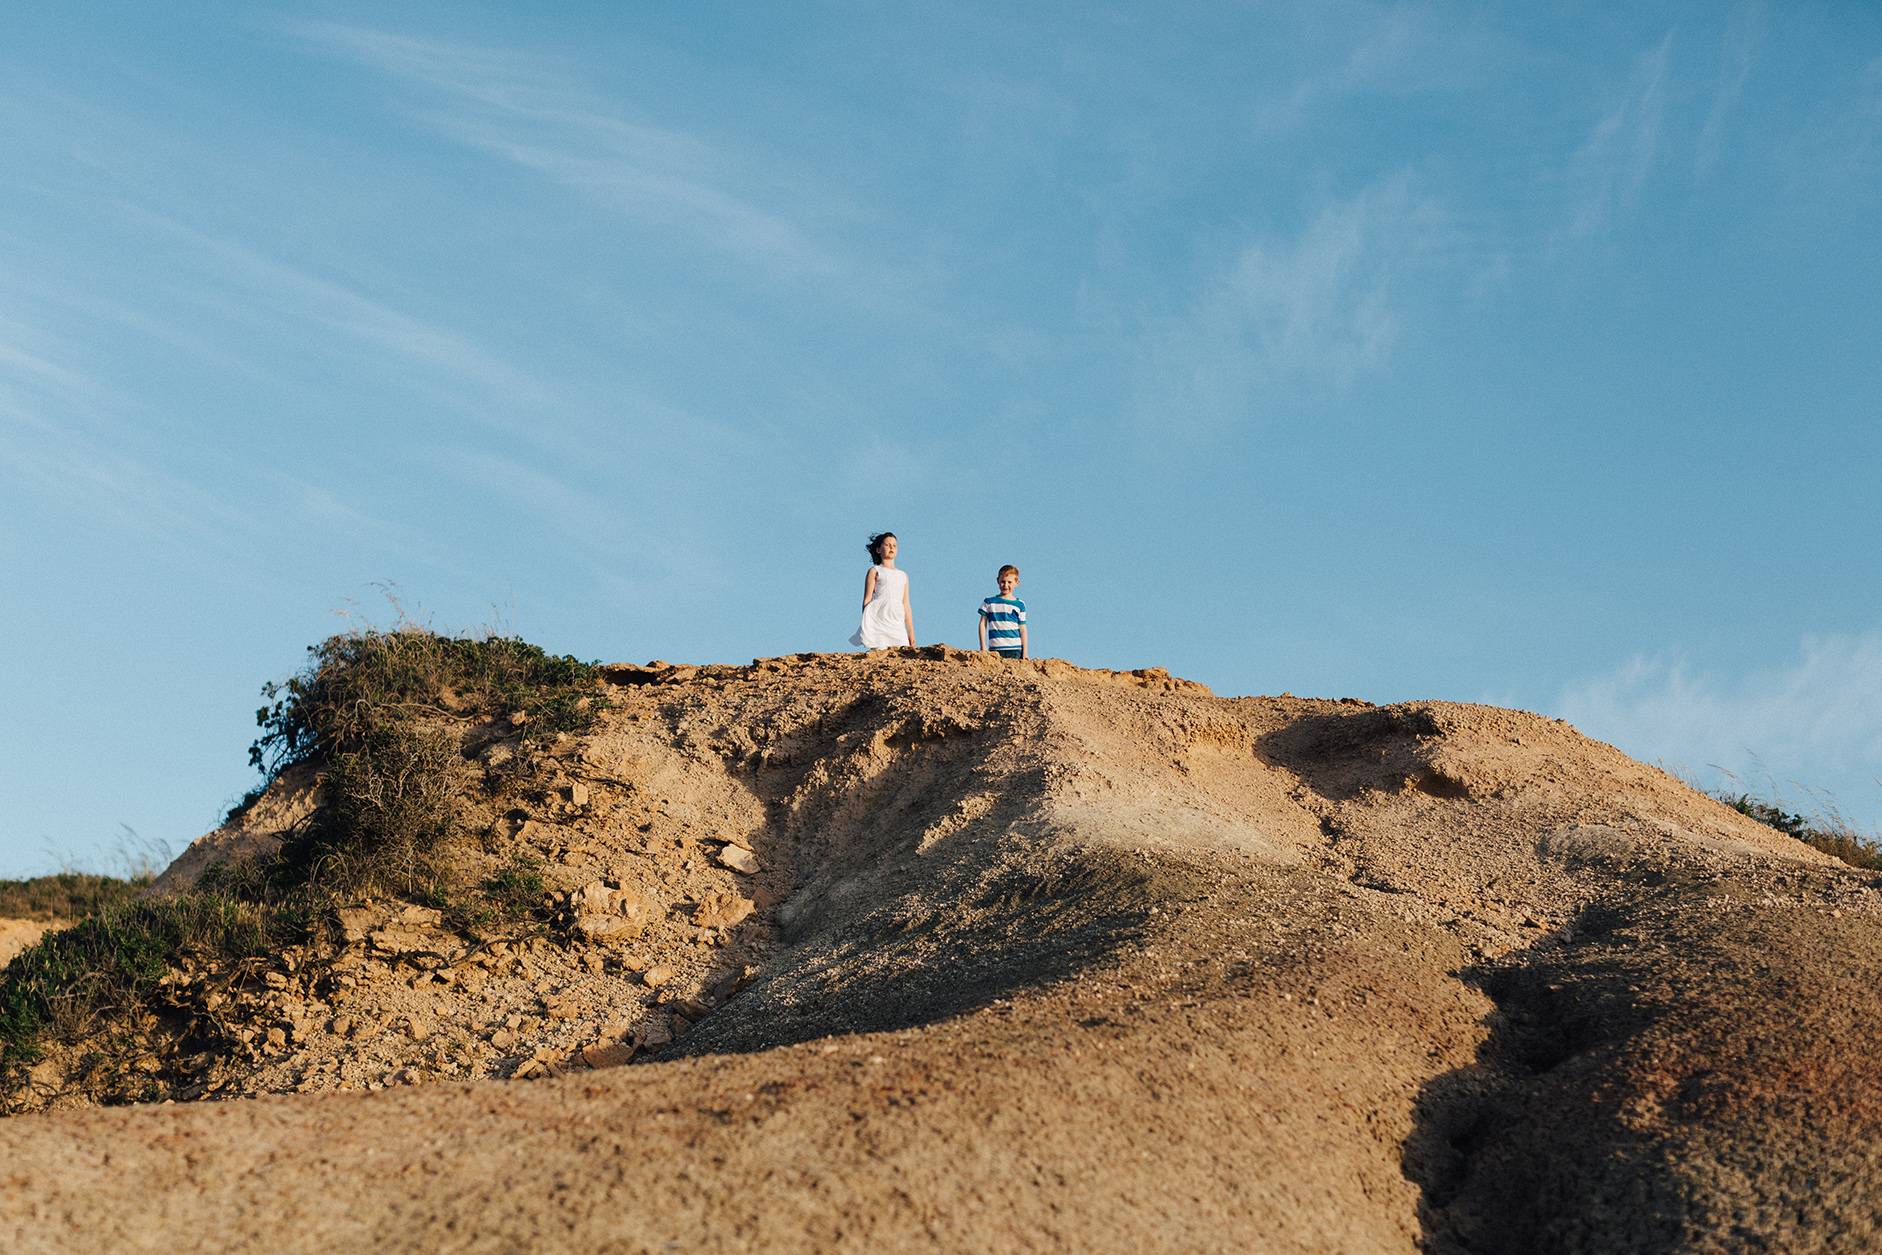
(929, 950)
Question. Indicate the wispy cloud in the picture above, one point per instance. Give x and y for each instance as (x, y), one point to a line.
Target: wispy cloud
(1816, 720)
(523, 109)
(1735, 58)
(1361, 49)
(1607, 173)
(67, 439)
(444, 357)
(1316, 306)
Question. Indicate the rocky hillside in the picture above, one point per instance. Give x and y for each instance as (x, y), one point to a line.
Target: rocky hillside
(927, 949)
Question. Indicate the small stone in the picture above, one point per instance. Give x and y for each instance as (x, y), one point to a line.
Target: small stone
(738, 859)
(657, 976)
(655, 1035)
(276, 1039)
(503, 1039)
(608, 1056)
(342, 1026)
(417, 1030)
(722, 910)
(578, 794)
(518, 719)
(680, 1025)
(691, 1008)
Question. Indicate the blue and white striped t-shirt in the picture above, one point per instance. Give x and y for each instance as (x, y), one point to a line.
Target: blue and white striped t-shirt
(1005, 616)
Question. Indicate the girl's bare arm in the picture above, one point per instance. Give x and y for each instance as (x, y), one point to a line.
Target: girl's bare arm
(908, 615)
(869, 587)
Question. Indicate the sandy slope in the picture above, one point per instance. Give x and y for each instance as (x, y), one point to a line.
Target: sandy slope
(1061, 960)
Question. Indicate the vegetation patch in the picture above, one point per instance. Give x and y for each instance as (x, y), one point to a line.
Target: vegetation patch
(1832, 834)
(359, 681)
(68, 895)
(380, 716)
(80, 978)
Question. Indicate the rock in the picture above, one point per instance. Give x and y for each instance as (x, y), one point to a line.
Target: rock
(691, 1008)
(417, 1030)
(606, 928)
(680, 1025)
(738, 859)
(147, 1064)
(608, 1056)
(518, 719)
(503, 1039)
(357, 921)
(420, 917)
(578, 794)
(732, 982)
(657, 976)
(342, 1026)
(655, 1035)
(276, 1039)
(722, 910)
(592, 899)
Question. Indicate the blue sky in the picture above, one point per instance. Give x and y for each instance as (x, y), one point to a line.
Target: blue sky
(1523, 354)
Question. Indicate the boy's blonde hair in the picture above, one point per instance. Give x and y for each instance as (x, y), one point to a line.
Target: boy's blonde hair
(1009, 567)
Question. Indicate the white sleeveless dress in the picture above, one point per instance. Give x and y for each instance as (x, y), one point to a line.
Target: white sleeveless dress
(883, 625)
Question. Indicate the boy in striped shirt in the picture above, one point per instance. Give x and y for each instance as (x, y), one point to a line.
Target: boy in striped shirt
(1003, 618)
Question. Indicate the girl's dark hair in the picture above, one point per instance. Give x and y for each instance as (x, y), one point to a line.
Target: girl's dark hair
(875, 544)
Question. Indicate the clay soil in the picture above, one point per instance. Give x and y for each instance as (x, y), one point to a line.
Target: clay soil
(929, 950)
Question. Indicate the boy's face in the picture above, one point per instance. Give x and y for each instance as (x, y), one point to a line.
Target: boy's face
(1008, 582)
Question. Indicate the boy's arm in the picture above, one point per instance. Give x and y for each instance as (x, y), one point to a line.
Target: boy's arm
(1025, 651)
(983, 628)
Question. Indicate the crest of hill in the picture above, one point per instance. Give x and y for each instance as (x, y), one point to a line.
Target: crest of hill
(1339, 976)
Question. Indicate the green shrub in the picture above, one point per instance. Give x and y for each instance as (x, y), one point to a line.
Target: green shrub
(516, 891)
(114, 959)
(357, 681)
(361, 708)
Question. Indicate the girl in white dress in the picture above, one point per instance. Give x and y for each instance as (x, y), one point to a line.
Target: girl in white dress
(887, 620)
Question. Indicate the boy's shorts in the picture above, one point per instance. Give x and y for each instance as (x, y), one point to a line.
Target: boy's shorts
(1010, 653)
